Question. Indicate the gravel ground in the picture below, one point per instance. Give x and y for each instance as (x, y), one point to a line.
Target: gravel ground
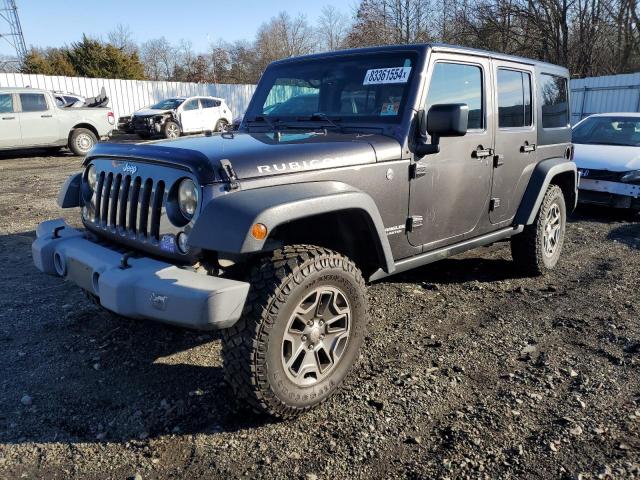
(469, 371)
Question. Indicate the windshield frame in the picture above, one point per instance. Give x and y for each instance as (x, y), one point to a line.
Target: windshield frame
(385, 122)
(608, 118)
(176, 103)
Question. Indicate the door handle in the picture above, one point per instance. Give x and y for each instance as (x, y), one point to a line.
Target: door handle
(8, 118)
(526, 148)
(482, 152)
(46, 116)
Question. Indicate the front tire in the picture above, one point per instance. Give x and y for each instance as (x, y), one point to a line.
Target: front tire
(222, 125)
(304, 321)
(171, 129)
(81, 141)
(537, 249)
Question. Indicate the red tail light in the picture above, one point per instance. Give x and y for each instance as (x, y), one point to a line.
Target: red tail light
(111, 118)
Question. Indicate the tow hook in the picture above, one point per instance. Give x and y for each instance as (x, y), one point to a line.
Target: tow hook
(56, 230)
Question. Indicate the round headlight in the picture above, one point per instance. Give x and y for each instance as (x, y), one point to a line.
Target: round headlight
(92, 177)
(187, 198)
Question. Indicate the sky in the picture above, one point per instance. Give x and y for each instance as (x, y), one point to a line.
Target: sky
(47, 23)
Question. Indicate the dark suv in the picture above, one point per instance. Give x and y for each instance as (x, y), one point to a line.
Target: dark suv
(412, 154)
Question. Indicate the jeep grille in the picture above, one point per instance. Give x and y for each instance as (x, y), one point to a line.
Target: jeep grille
(129, 205)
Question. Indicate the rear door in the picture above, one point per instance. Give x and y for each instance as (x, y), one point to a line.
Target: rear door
(9, 122)
(191, 116)
(450, 196)
(210, 112)
(515, 140)
(38, 120)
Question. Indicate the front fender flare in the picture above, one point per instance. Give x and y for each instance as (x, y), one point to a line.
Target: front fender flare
(540, 179)
(225, 223)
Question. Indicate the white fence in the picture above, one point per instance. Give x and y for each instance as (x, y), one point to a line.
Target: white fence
(615, 93)
(127, 96)
(610, 93)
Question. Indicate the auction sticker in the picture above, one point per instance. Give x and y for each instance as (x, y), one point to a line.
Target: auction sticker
(377, 76)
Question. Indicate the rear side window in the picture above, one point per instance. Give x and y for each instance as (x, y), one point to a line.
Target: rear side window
(6, 103)
(514, 99)
(209, 103)
(555, 101)
(33, 102)
(458, 83)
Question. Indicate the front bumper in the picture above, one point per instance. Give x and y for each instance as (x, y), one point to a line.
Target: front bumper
(141, 287)
(614, 194)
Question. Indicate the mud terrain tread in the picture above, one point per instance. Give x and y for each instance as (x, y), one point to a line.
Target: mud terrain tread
(526, 247)
(244, 345)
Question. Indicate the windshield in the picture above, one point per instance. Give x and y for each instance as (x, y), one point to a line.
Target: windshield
(355, 88)
(623, 131)
(168, 104)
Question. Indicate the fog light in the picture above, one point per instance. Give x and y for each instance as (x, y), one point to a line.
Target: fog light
(182, 240)
(259, 231)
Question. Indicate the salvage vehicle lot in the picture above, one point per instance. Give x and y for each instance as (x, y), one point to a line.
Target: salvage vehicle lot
(469, 370)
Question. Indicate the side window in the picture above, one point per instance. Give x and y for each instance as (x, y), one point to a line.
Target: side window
(6, 103)
(217, 103)
(458, 83)
(33, 102)
(555, 102)
(191, 105)
(514, 98)
(208, 103)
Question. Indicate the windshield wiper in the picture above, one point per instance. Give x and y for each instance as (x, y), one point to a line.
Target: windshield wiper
(316, 117)
(264, 119)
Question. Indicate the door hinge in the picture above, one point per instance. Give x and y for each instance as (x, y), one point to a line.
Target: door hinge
(498, 160)
(495, 203)
(414, 222)
(417, 170)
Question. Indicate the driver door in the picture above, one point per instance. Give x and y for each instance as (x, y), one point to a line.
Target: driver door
(449, 196)
(191, 116)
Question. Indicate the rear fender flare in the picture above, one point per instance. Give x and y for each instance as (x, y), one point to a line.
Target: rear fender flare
(541, 178)
(225, 223)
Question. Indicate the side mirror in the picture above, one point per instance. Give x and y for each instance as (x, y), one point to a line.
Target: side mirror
(448, 120)
(444, 120)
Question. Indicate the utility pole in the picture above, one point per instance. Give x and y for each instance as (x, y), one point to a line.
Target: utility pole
(10, 29)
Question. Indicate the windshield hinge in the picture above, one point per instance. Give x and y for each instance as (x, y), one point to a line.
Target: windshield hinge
(229, 174)
(417, 170)
(413, 222)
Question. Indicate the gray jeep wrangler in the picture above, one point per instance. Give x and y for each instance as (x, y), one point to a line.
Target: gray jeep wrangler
(348, 167)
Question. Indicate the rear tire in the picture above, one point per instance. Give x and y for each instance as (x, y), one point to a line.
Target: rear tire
(81, 141)
(537, 249)
(304, 321)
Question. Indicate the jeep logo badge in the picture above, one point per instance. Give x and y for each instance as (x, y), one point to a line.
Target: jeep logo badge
(128, 168)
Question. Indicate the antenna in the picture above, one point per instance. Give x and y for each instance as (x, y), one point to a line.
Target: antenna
(9, 19)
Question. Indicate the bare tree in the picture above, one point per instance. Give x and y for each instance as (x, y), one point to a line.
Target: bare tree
(332, 28)
(122, 37)
(159, 58)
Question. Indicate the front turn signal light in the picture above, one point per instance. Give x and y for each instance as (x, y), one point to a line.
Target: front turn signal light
(259, 231)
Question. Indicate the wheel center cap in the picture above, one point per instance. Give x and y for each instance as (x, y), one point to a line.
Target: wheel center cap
(314, 334)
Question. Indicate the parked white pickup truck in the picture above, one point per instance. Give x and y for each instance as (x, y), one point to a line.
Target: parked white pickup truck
(31, 118)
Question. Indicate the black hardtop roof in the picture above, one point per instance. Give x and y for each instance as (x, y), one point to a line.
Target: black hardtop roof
(423, 47)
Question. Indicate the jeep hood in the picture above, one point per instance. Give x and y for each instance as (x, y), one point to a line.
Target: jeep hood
(607, 157)
(257, 154)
